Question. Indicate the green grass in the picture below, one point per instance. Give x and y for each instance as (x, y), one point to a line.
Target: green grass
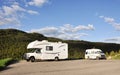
(5, 62)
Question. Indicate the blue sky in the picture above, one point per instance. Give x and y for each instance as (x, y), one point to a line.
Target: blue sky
(91, 20)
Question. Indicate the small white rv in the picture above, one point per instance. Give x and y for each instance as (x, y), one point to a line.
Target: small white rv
(94, 54)
(44, 50)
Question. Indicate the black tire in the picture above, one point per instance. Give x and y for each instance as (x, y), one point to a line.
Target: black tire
(56, 59)
(27, 60)
(32, 59)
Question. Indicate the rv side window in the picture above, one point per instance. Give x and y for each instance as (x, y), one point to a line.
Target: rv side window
(49, 48)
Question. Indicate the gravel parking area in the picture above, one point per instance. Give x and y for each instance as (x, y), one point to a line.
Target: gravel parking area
(69, 67)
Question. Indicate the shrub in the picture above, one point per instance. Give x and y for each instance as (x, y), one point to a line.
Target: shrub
(117, 56)
(112, 53)
(5, 62)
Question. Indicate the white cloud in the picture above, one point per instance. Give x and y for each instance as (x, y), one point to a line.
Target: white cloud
(9, 15)
(7, 10)
(117, 26)
(66, 31)
(71, 36)
(108, 19)
(17, 8)
(111, 21)
(12, 11)
(37, 2)
(9, 20)
(70, 28)
(66, 28)
(113, 40)
(32, 12)
(12, 14)
(50, 31)
(82, 27)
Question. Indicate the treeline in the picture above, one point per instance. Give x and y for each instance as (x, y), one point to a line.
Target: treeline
(77, 48)
(13, 44)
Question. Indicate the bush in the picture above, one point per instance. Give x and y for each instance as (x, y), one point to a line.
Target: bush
(117, 56)
(107, 54)
(112, 53)
(5, 62)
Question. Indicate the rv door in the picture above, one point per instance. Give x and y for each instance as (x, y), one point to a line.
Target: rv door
(38, 54)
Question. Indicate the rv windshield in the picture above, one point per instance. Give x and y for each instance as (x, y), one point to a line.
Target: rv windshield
(35, 50)
(38, 50)
(98, 52)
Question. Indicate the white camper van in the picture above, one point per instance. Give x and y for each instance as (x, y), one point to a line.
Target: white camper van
(94, 54)
(44, 50)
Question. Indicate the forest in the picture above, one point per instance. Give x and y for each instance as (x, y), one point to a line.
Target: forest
(13, 44)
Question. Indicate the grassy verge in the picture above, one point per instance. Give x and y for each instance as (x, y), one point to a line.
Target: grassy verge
(117, 56)
(5, 62)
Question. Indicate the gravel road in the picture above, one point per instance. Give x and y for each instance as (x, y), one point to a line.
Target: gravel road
(71, 67)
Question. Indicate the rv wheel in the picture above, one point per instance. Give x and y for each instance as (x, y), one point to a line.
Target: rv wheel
(56, 58)
(32, 59)
(27, 60)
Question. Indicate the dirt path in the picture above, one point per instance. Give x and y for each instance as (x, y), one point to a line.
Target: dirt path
(73, 67)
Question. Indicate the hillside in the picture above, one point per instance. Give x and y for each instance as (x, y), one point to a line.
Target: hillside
(13, 44)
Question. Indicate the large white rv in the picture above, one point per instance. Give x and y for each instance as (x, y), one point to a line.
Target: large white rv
(94, 54)
(44, 50)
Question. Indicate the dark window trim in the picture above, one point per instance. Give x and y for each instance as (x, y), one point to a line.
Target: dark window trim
(49, 48)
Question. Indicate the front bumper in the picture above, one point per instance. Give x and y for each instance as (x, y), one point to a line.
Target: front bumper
(25, 57)
(103, 57)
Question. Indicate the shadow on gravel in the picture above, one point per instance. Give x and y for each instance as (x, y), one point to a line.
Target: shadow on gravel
(7, 65)
(59, 60)
(5, 68)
